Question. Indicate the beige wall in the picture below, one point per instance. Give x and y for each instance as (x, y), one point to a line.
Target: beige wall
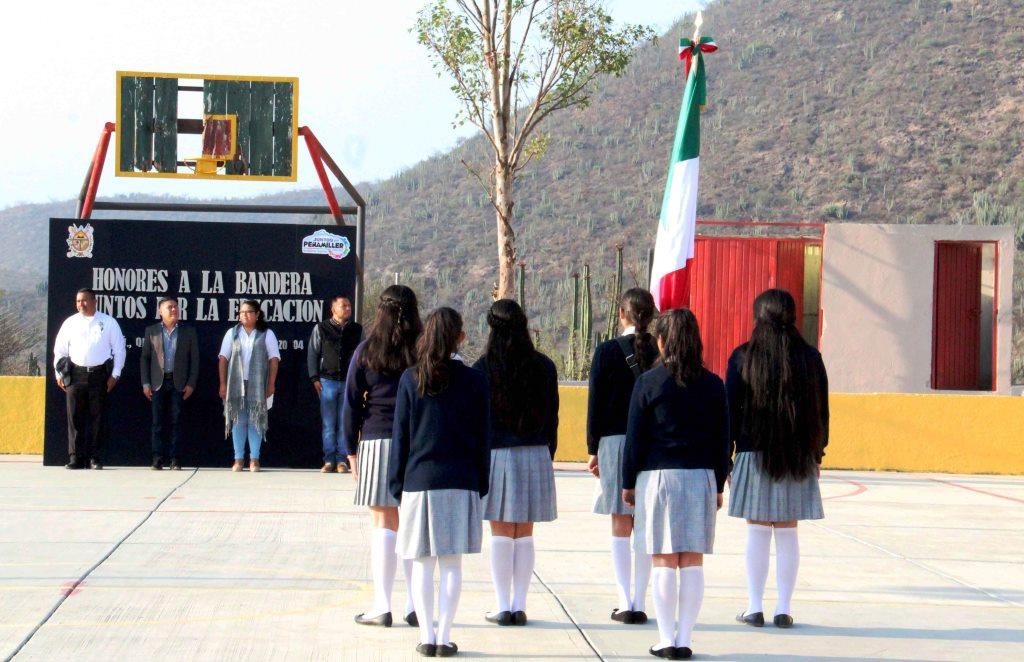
(876, 301)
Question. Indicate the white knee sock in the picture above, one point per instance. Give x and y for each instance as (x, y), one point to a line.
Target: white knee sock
(664, 592)
(759, 543)
(522, 571)
(691, 595)
(641, 576)
(423, 596)
(383, 563)
(448, 595)
(502, 553)
(621, 563)
(787, 562)
(407, 571)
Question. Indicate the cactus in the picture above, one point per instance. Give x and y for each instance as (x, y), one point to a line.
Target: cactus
(615, 291)
(521, 285)
(586, 314)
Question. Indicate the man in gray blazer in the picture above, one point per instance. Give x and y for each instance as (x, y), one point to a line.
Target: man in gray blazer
(169, 367)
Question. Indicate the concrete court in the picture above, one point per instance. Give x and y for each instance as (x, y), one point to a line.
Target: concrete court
(215, 566)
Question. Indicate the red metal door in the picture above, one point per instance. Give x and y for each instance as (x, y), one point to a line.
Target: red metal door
(729, 273)
(956, 335)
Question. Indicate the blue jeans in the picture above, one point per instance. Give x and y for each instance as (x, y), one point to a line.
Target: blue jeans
(332, 395)
(166, 408)
(242, 429)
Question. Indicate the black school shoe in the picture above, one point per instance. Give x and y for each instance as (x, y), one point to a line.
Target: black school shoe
(384, 620)
(447, 650)
(682, 653)
(622, 615)
(499, 618)
(783, 621)
(158, 464)
(95, 464)
(412, 619)
(667, 653)
(73, 464)
(175, 465)
(519, 618)
(427, 650)
(754, 620)
(637, 617)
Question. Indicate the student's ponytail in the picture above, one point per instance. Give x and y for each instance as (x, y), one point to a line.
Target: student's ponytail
(638, 306)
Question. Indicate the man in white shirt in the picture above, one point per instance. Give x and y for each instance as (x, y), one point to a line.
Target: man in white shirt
(88, 357)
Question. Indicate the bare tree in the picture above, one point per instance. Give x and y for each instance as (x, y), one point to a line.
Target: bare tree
(513, 63)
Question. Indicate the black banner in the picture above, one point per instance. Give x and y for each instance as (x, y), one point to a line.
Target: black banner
(292, 270)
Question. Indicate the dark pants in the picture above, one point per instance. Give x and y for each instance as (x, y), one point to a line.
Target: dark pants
(87, 398)
(166, 413)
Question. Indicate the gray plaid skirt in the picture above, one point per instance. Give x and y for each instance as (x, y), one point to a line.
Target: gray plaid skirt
(372, 467)
(757, 496)
(522, 485)
(608, 497)
(675, 511)
(439, 522)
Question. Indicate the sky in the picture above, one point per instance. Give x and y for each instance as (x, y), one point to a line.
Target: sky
(366, 87)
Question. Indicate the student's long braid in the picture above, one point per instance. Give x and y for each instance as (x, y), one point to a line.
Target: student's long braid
(638, 304)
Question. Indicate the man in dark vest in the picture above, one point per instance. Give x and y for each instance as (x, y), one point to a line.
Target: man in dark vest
(330, 349)
(169, 368)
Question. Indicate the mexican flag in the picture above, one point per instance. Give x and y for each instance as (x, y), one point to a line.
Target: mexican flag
(673, 249)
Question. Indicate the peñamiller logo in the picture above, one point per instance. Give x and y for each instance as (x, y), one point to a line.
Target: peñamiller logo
(323, 242)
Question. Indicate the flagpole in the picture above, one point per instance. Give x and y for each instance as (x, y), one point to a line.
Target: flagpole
(697, 22)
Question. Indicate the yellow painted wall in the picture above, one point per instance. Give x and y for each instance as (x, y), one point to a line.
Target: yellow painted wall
(881, 431)
(884, 431)
(21, 414)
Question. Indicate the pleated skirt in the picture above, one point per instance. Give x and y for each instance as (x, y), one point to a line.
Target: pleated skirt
(756, 495)
(372, 462)
(522, 486)
(439, 522)
(675, 511)
(608, 496)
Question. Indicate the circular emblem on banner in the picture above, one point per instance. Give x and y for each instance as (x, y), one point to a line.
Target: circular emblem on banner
(80, 240)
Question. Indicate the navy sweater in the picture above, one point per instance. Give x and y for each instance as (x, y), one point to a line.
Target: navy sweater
(676, 427)
(368, 411)
(439, 442)
(739, 391)
(611, 384)
(547, 433)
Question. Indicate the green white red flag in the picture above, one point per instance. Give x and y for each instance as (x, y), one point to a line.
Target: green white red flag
(677, 226)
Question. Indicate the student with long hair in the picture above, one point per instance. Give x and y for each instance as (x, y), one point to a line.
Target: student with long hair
(438, 470)
(674, 468)
(778, 399)
(247, 366)
(523, 439)
(367, 418)
(615, 366)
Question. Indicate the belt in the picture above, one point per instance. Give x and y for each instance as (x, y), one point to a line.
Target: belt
(89, 368)
(168, 374)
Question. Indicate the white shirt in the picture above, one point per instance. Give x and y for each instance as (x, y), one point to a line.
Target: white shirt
(245, 343)
(90, 341)
(628, 330)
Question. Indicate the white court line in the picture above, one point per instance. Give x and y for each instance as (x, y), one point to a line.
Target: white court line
(923, 566)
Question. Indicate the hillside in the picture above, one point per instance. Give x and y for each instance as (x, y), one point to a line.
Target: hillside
(893, 111)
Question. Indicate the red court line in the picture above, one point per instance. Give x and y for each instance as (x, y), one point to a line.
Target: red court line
(169, 510)
(859, 488)
(974, 489)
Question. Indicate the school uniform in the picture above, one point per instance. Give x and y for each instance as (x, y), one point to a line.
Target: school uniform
(367, 416)
(439, 464)
(522, 479)
(677, 459)
(611, 385)
(754, 495)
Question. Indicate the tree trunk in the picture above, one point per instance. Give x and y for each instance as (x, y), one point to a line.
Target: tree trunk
(506, 236)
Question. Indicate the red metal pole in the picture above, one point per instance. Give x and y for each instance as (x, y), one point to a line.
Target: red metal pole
(97, 169)
(315, 151)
